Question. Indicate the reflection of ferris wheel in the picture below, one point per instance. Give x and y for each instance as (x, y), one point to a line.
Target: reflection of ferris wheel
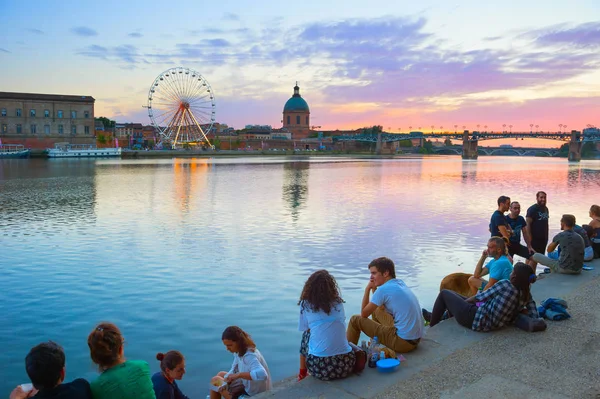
(181, 106)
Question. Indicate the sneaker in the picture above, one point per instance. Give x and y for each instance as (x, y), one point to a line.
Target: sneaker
(426, 315)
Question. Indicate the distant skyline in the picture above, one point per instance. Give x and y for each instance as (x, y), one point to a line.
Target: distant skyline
(357, 63)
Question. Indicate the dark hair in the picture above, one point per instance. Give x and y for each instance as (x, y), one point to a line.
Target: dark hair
(502, 199)
(105, 343)
(568, 220)
(239, 336)
(169, 360)
(320, 292)
(499, 242)
(514, 202)
(383, 265)
(524, 277)
(589, 230)
(537, 195)
(44, 363)
(595, 210)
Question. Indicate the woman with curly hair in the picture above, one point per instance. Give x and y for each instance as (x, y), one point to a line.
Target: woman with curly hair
(324, 351)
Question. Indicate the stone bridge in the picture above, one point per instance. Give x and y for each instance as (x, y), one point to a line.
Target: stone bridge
(470, 140)
(508, 151)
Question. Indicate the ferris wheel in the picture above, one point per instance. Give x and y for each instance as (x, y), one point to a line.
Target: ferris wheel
(181, 106)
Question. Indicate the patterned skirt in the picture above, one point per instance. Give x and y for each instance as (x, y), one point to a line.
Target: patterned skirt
(330, 367)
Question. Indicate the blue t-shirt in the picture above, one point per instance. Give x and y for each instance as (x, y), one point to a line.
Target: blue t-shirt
(402, 304)
(500, 269)
(497, 220)
(516, 225)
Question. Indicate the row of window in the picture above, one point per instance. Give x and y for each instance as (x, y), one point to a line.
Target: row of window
(32, 113)
(33, 129)
(297, 120)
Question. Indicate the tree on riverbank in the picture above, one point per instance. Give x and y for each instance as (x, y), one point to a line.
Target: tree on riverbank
(427, 147)
(588, 150)
(107, 123)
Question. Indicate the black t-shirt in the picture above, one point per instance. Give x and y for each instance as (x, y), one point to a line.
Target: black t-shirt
(539, 224)
(497, 220)
(78, 389)
(516, 226)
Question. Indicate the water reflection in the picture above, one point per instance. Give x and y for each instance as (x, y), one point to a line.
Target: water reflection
(295, 186)
(53, 194)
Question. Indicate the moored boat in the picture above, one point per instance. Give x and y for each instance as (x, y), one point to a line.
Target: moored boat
(13, 151)
(66, 150)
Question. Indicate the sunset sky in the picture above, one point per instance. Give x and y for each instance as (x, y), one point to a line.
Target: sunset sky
(358, 63)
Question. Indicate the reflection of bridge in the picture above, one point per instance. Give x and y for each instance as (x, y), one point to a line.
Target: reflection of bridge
(471, 139)
(520, 151)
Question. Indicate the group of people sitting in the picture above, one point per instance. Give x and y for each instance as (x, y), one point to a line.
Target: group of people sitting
(390, 311)
(568, 249)
(121, 378)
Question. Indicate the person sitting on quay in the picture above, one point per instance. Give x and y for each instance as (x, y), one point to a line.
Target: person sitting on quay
(499, 268)
(537, 225)
(172, 367)
(498, 225)
(120, 378)
(595, 224)
(45, 366)
(592, 235)
(396, 314)
(518, 224)
(249, 374)
(572, 247)
(493, 308)
(588, 251)
(324, 351)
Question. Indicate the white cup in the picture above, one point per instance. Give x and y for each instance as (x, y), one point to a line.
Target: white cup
(26, 387)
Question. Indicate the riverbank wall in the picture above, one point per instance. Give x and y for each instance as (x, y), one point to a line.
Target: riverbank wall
(454, 362)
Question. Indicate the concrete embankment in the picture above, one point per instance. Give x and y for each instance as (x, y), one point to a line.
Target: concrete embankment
(455, 362)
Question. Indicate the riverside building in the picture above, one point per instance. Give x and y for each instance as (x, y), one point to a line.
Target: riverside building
(40, 120)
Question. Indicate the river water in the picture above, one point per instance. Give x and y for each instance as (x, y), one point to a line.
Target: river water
(174, 251)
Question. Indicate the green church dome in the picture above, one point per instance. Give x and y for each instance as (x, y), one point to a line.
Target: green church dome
(296, 103)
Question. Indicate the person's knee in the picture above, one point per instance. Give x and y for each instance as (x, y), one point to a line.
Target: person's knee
(474, 281)
(355, 320)
(221, 373)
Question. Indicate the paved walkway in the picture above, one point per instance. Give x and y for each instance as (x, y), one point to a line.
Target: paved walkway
(453, 362)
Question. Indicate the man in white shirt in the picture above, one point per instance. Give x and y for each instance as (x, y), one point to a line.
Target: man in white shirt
(396, 314)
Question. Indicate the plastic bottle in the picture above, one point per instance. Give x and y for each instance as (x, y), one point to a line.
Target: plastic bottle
(374, 353)
(363, 346)
(381, 355)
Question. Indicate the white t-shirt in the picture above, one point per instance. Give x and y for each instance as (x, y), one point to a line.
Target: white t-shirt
(327, 331)
(254, 363)
(403, 305)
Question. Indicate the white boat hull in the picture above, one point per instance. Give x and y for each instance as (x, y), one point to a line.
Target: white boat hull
(84, 153)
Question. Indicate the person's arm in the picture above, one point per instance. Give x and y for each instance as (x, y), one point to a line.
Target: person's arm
(257, 371)
(368, 307)
(552, 246)
(489, 293)
(235, 362)
(18, 393)
(529, 221)
(479, 269)
(302, 322)
(490, 283)
(532, 310)
(165, 393)
(527, 237)
(504, 232)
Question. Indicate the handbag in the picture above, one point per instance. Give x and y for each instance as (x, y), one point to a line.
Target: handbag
(361, 358)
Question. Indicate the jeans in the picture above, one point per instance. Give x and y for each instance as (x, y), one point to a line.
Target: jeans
(382, 327)
(457, 306)
(552, 264)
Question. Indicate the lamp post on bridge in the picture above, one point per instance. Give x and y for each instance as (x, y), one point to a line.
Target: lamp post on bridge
(531, 126)
(485, 127)
(537, 128)
(431, 129)
(560, 125)
(504, 128)
(510, 126)
(478, 127)
(455, 127)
